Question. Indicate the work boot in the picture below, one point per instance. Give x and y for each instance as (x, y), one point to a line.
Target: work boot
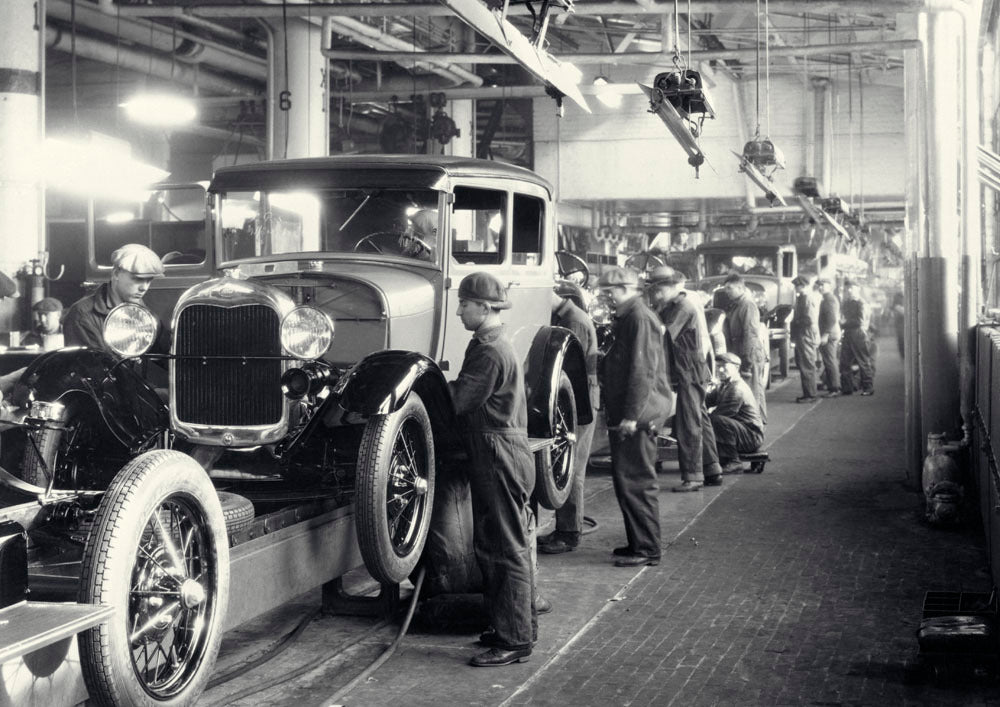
(558, 542)
(715, 480)
(489, 637)
(688, 486)
(542, 605)
(733, 467)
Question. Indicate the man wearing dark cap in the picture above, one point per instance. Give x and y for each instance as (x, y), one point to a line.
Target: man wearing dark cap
(689, 347)
(569, 518)
(805, 336)
(135, 268)
(735, 417)
(854, 348)
(492, 411)
(829, 336)
(636, 393)
(746, 337)
(46, 331)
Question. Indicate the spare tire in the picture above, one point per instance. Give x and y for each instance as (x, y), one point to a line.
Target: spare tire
(237, 510)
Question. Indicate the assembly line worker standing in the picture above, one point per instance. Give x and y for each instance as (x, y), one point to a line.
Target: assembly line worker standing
(854, 348)
(805, 336)
(135, 268)
(829, 337)
(492, 411)
(636, 392)
(742, 328)
(569, 518)
(689, 348)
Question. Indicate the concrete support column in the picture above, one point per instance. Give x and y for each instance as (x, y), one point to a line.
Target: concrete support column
(463, 112)
(22, 232)
(303, 129)
(938, 268)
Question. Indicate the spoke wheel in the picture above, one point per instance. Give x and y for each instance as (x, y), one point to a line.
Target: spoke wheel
(159, 554)
(395, 490)
(554, 471)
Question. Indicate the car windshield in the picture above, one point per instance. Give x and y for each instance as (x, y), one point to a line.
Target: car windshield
(400, 222)
(742, 263)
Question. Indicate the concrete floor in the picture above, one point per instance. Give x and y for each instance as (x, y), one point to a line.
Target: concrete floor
(800, 586)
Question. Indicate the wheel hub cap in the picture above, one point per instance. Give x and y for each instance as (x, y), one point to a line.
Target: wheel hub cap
(420, 485)
(192, 593)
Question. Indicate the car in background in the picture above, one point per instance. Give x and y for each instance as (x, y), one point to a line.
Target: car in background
(306, 416)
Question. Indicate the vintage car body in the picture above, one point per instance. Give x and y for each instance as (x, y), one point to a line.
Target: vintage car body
(310, 380)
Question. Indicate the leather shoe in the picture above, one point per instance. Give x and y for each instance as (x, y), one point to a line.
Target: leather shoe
(688, 486)
(832, 394)
(542, 605)
(622, 551)
(495, 657)
(806, 399)
(636, 561)
(556, 547)
(733, 467)
(489, 637)
(868, 392)
(713, 480)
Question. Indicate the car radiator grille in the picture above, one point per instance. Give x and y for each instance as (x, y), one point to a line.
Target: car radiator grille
(228, 391)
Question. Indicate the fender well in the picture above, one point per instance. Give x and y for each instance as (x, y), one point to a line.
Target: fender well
(553, 351)
(380, 383)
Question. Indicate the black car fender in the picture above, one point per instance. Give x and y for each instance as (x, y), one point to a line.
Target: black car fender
(129, 407)
(380, 383)
(554, 350)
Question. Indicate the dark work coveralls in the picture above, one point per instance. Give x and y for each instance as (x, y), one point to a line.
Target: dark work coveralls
(687, 339)
(736, 420)
(83, 324)
(492, 411)
(805, 334)
(742, 328)
(854, 348)
(569, 518)
(636, 387)
(829, 325)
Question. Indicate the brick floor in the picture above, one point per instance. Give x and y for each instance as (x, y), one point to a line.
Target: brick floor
(802, 586)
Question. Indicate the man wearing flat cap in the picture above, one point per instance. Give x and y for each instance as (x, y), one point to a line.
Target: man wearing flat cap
(805, 336)
(855, 347)
(492, 410)
(829, 336)
(135, 268)
(735, 416)
(46, 316)
(746, 336)
(689, 347)
(636, 392)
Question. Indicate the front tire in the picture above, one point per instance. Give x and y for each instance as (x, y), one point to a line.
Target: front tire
(395, 490)
(554, 471)
(159, 554)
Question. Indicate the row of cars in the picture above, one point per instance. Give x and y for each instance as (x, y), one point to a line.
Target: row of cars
(296, 426)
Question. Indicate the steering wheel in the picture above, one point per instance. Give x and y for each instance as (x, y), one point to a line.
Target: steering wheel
(368, 239)
(424, 246)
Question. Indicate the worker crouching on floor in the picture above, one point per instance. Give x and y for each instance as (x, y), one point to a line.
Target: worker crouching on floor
(735, 416)
(492, 411)
(636, 394)
(688, 349)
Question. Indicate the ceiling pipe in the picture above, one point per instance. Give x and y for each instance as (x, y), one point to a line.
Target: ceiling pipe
(634, 58)
(433, 9)
(144, 62)
(161, 38)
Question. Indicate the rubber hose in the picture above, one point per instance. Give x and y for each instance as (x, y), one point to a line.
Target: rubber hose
(591, 525)
(388, 652)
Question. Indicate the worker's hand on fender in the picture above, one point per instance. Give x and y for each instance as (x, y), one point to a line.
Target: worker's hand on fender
(626, 428)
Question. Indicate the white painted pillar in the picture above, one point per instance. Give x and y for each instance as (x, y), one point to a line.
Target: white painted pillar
(22, 233)
(463, 112)
(303, 129)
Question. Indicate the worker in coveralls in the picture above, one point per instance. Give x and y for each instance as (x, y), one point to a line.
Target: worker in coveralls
(805, 336)
(636, 394)
(854, 349)
(829, 336)
(492, 411)
(689, 348)
(745, 338)
(569, 518)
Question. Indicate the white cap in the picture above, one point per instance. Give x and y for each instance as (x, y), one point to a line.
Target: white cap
(138, 260)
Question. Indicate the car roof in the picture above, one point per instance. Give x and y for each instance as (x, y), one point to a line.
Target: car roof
(425, 170)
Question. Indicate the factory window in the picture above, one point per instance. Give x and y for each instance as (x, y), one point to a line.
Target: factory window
(478, 228)
(529, 225)
(788, 264)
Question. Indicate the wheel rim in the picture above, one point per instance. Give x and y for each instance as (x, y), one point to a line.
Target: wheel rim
(406, 488)
(563, 440)
(171, 597)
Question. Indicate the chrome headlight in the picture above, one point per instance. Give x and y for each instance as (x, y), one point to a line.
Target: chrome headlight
(306, 333)
(130, 330)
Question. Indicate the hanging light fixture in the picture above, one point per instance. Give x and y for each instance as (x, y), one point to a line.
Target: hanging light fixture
(162, 109)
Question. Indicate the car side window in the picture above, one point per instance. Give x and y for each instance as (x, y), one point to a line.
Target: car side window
(787, 265)
(478, 228)
(528, 227)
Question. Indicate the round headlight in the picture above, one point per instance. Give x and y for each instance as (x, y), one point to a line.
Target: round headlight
(130, 330)
(306, 333)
